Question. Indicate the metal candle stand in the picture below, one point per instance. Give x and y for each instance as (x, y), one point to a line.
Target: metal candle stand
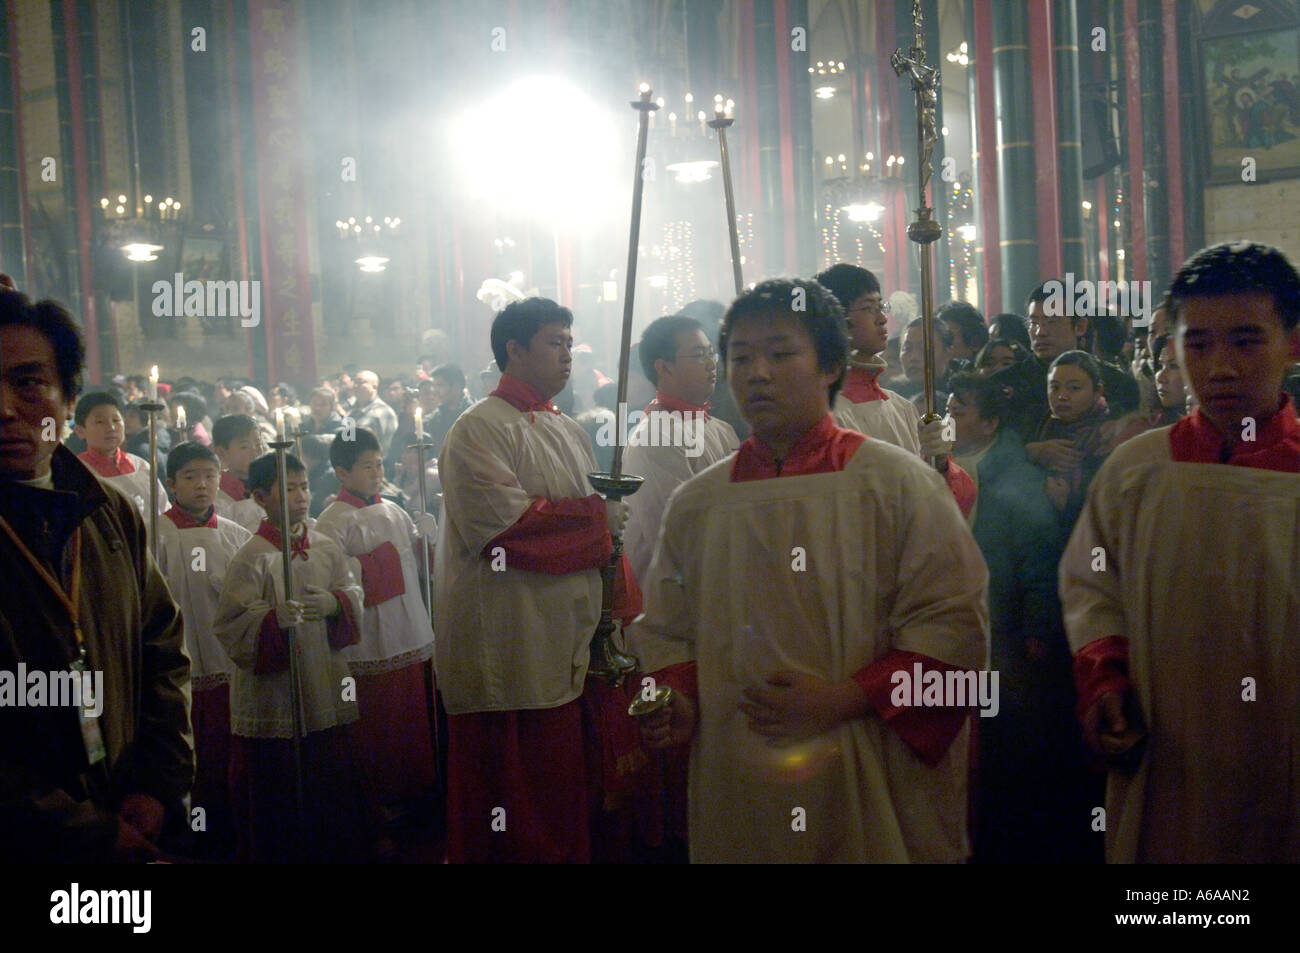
(925, 231)
(153, 409)
(281, 448)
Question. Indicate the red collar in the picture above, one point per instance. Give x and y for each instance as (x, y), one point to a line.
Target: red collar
(347, 496)
(184, 520)
(522, 397)
(232, 486)
(271, 533)
(860, 385)
(119, 464)
(1276, 446)
(825, 448)
(663, 402)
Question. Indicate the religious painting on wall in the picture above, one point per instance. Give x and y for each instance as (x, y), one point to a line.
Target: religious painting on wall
(1251, 102)
(205, 258)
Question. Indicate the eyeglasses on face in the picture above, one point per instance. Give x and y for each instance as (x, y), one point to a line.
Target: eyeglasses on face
(879, 307)
(702, 355)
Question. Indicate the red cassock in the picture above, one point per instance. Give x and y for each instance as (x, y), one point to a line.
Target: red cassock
(540, 759)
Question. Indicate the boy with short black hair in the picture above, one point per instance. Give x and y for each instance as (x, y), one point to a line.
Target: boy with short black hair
(862, 404)
(253, 617)
(195, 547)
(1180, 590)
(391, 661)
(237, 442)
(99, 422)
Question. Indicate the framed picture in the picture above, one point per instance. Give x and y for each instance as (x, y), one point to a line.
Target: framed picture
(203, 259)
(1250, 94)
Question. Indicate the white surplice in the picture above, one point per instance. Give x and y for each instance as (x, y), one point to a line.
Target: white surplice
(510, 639)
(1201, 577)
(247, 513)
(887, 563)
(195, 561)
(895, 421)
(665, 469)
(135, 487)
(259, 704)
(395, 633)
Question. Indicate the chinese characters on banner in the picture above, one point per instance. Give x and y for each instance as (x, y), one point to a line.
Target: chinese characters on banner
(281, 184)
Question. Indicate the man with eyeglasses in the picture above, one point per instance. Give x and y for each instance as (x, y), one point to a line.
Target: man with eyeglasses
(680, 362)
(863, 405)
(1025, 384)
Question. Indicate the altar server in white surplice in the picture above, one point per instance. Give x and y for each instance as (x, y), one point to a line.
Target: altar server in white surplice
(195, 547)
(324, 611)
(392, 661)
(862, 404)
(1181, 592)
(796, 587)
(677, 438)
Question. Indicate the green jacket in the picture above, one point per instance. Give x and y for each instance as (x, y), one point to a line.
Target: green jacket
(54, 805)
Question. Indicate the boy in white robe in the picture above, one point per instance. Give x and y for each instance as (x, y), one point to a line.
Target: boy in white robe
(195, 546)
(796, 588)
(1180, 590)
(676, 439)
(253, 617)
(99, 422)
(862, 404)
(391, 661)
(536, 750)
(237, 443)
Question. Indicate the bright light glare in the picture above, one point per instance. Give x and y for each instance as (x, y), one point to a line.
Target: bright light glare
(967, 232)
(140, 251)
(542, 148)
(824, 92)
(870, 212)
(372, 263)
(688, 172)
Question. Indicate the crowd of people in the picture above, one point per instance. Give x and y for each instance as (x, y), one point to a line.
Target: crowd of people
(807, 539)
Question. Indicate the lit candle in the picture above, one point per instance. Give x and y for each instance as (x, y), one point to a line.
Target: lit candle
(703, 128)
(180, 418)
(153, 384)
(672, 124)
(419, 424)
(279, 423)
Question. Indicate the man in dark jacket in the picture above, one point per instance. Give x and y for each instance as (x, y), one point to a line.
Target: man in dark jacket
(78, 784)
(1024, 384)
(1033, 791)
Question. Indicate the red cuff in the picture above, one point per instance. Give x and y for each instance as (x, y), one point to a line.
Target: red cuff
(1101, 666)
(272, 647)
(627, 594)
(962, 486)
(557, 537)
(681, 677)
(381, 574)
(927, 731)
(342, 629)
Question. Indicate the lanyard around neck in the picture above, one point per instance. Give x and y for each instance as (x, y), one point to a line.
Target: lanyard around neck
(71, 601)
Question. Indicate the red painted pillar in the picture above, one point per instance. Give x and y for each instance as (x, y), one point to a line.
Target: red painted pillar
(894, 221)
(1133, 104)
(1173, 134)
(986, 133)
(1043, 69)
